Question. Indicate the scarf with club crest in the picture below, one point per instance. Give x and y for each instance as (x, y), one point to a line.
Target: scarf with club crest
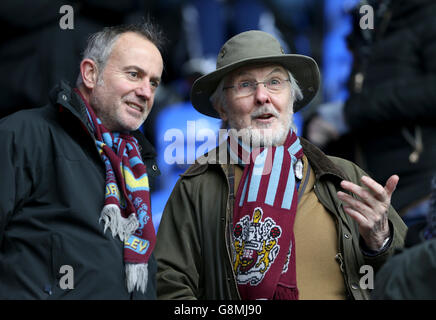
(126, 211)
(263, 221)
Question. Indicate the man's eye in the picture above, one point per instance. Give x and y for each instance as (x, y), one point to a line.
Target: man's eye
(154, 84)
(245, 84)
(274, 82)
(133, 74)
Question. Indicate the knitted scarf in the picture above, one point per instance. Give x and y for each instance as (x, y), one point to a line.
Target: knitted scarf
(264, 213)
(126, 211)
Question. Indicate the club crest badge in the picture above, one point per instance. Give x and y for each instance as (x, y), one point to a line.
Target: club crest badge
(256, 247)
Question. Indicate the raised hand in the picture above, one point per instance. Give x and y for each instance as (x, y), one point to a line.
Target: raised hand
(370, 210)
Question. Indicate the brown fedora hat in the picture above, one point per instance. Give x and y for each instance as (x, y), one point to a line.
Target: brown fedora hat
(251, 47)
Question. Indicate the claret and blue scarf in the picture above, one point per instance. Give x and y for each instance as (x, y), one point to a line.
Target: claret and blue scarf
(126, 211)
(264, 214)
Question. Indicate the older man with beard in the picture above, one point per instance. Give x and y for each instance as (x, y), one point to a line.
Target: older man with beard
(275, 218)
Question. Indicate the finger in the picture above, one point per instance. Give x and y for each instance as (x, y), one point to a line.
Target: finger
(361, 192)
(359, 218)
(357, 205)
(382, 193)
(377, 189)
(391, 184)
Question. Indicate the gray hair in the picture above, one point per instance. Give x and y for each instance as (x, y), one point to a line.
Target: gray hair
(100, 44)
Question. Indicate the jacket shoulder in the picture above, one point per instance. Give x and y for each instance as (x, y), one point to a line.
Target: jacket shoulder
(350, 169)
(30, 122)
(323, 164)
(195, 170)
(211, 160)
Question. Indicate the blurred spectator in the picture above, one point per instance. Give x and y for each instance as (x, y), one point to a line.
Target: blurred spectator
(36, 53)
(208, 23)
(391, 108)
(411, 274)
(181, 132)
(425, 229)
(408, 275)
(337, 59)
(325, 120)
(302, 24)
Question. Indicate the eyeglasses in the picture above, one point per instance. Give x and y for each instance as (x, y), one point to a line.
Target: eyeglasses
(246, 88)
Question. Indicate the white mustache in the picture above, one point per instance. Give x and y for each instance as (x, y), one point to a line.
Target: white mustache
(265, 110)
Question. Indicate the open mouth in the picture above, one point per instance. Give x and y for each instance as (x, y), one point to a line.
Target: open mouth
(265, 116)
(135, 106)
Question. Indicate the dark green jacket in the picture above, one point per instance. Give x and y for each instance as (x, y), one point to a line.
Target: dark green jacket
(52, 185)
(193, 247)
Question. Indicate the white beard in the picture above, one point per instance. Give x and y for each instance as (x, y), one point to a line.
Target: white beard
(263, 137)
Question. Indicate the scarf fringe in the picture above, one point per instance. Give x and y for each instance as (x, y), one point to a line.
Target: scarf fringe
(137, 276)
(119, 226)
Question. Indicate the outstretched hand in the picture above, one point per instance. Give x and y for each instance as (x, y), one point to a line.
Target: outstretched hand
(370, 210)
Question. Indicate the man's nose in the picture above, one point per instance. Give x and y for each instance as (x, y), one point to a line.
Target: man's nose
(144, 90)
(262, 94)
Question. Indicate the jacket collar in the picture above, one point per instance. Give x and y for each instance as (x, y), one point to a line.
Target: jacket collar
(319, 161)
(63, 95)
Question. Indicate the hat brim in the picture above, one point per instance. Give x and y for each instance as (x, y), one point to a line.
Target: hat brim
(303, 68)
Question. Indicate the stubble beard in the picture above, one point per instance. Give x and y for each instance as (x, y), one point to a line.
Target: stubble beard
(111, 117)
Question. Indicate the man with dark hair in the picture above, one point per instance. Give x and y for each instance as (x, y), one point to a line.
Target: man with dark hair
(77, 167)
(269, 216)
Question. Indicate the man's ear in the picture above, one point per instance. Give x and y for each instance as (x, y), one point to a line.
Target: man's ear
(221, 111)
(89, 72)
